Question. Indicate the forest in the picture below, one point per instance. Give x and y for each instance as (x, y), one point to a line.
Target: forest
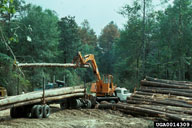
(152, 43)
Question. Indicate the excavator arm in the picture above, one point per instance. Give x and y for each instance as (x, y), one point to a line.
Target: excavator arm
(80, 60)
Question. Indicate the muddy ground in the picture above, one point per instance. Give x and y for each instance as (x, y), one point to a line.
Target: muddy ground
(82, 118)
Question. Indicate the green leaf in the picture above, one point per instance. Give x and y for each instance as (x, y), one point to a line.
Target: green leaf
(13, 10)
(11, 39)
(11, 1)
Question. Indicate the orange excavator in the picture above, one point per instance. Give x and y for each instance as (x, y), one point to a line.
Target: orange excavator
(104, 88)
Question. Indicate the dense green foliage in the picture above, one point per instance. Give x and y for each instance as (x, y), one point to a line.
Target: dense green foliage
(154, 43)
(166, 45)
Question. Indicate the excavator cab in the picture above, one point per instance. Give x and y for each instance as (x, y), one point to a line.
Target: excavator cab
(109, 87)
(106, 88)
(108, 79)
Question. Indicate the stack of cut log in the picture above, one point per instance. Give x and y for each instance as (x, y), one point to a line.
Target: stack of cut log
(51, 95)
(162, 99)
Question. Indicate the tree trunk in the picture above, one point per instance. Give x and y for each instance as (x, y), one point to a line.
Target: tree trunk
(163, 85)
(169, 92)
(39, 94)
(168, 81)
(148, 111)
(143, 41)
(66, 65)
(47, 99)
(161, 102)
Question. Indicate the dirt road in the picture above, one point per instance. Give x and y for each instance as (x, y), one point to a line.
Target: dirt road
(82, 118)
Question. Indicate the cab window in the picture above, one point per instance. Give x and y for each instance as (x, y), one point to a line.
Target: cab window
(125, 92)
(118, 91)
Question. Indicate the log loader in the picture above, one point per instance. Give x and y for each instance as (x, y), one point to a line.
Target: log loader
(104, 88)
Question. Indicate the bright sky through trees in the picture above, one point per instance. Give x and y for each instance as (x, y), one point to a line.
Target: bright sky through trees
(97, 12)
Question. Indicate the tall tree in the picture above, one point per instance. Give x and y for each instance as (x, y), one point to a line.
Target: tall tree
(107, 39)
(87, 34)
(38, 40)
(175, 34)
(8, 21)
(135, 43)
(69, 38)
(109, 35)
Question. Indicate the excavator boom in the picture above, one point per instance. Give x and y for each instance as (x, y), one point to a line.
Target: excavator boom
(84, 60)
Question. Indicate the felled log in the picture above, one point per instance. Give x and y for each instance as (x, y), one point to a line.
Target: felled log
(183, 110)
(170, 109)
(138, 109)
(172, 113)
(39, 94)
(133, 113)
(140, 102)
(160, 108)
(151, 94)
(163, 85)
(168, 89)
(160, 102)
(47, 100)
(160, 96)
(168, 99)
(167, 109)
(168, 81)
(177, 93)
(144, 93)
(50, 65)
(163, 96)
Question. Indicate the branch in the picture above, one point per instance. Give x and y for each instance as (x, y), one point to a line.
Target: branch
(9, 48)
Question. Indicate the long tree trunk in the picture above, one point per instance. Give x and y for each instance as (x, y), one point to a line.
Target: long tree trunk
(163, 85)
(143, 40)
(66, 65)
(147, 111)
(39, 100)
(39, 94)
(168, 81)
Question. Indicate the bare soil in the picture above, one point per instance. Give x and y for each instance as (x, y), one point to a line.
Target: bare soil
(81, 118)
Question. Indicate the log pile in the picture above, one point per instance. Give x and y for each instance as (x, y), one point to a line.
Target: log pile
(163, 99)
(36, 97)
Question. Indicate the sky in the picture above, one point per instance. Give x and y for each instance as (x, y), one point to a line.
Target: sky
(98, 12)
